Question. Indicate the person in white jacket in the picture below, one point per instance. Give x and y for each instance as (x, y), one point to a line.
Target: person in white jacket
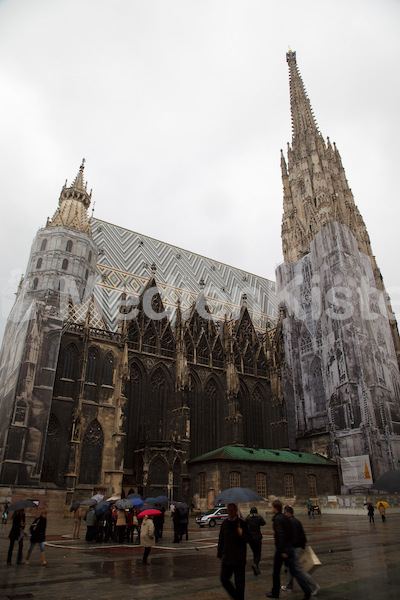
(147, 538)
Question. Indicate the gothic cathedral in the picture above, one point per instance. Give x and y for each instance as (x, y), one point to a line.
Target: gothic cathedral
(125, 358)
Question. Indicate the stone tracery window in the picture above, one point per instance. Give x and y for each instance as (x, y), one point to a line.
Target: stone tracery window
(92, 451)
(305, 343)
(108, 369)
(20, 413)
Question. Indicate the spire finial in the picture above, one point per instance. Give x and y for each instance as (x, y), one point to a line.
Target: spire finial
(202, 284)
(78, 181)
(153, 268)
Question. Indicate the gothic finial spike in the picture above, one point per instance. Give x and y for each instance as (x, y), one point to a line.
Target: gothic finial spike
(202, 284)
(244, 298)
(153, 268)
(78, 181)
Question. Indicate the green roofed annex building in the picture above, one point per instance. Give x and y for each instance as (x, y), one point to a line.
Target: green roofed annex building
(291, 476)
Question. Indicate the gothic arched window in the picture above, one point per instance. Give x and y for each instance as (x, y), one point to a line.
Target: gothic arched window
(43, 245)
(69, 246)
(234, 479)
(157, 406)
(90, 256)
(317, 385)
(108, 369)
(70, 362)
(39, 263)
(35, 283)
(149, 343)
(20, 413)
(92, 452)
(92, 366)
(50, 470)
(64, 265)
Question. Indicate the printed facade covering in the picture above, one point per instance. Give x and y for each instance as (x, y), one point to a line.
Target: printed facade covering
(125, 265)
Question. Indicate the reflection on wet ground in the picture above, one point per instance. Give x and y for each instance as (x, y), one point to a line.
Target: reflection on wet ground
(359, 561)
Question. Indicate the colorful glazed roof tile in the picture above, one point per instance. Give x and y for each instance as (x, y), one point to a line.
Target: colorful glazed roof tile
(125, 265)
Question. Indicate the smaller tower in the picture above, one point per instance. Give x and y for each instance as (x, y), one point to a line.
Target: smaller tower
(64, 249)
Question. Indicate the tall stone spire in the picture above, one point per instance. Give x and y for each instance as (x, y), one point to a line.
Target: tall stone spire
(316, 191)
(303, 120)
(73, 205)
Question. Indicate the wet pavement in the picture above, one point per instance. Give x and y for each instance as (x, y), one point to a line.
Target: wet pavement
(359, 561)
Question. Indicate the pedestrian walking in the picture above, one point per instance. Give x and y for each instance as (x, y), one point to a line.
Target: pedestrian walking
(299, 543)
(371, 511)
(17, 534)
(183, 523)
(284, 552)
(255, 522)
(147, 538)
(38, 536)
(382, 510)
(77, 523)
(232, 544)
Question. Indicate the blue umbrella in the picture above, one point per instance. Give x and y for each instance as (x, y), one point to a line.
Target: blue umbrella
(237, 494)
(130, 496)
(137, 502)
(102, 507)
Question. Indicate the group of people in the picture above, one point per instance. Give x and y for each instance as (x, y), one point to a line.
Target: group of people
(114, 524)
(290, 541)
(17, 534)
(371, 510)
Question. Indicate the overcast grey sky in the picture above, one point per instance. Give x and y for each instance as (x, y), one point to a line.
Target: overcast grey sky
(180, 108)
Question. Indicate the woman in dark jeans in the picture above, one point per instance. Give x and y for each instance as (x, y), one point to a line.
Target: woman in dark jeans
(17, 534)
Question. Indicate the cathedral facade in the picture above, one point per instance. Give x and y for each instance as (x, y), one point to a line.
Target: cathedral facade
(127, 362)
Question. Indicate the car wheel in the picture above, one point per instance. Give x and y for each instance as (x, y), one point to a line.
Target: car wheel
(212, 523)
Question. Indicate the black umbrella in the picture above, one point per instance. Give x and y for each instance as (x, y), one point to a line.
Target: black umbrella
(75, 506)
(90, 502)
(389, 482)
(124, 504)
(237, 494)
(22, 504)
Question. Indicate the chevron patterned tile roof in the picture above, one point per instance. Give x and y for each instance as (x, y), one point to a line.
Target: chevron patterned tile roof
(124, 264)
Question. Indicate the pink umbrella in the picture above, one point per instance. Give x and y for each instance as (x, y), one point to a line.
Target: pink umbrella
(149, 511)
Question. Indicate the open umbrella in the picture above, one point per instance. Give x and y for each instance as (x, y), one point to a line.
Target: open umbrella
(162, 500)
(137, 502)
(90, 502)
(113, 499)
(149, 511)
(75, 505)
(98, 497)
(385, 504)
(237, 494)
(124, 504)
(102, 507)
(22, 504)
(134, 496)
(388, 482)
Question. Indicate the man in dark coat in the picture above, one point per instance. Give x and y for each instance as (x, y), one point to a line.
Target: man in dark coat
(17, 534)
(232, 544)
(299, 544)
(283, 534)
(255, 522)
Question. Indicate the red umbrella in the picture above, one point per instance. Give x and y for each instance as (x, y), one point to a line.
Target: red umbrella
(149, 511)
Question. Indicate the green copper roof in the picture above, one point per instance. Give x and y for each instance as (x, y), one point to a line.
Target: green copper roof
(263, 455)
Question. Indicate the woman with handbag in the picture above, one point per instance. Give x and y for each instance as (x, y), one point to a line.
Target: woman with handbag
(38, 536)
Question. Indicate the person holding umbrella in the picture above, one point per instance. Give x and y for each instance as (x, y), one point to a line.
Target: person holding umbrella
(147, 538)
(232, 545)
(17, 534)
(382, 510)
